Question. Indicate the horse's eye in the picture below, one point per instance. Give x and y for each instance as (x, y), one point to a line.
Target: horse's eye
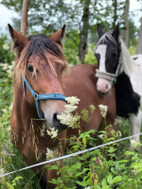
(30, 68)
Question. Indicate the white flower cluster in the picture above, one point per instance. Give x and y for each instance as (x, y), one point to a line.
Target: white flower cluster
(133, 142)
(67, 118)
(103, 110)
(8, 68)
(72, 100)
(2, 171)
(5, 46)
(50, 154)
(101, 136)
(118, 121)
(52, 132)
(118, 133)
(4, 110)
(42, 130)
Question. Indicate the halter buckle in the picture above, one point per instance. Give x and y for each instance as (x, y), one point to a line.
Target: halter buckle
(35, 95)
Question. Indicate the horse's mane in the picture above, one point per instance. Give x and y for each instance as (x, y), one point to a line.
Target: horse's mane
(44, 47)
(128, 65)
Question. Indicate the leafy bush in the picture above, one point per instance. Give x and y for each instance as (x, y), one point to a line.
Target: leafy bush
(101, 168)
(90, 58)
(132, 50)
(71, 43)
(5, 52)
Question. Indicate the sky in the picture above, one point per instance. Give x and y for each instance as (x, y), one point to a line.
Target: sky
(5, 17)
(6, 14)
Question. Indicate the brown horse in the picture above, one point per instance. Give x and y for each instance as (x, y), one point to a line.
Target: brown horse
(41, 64)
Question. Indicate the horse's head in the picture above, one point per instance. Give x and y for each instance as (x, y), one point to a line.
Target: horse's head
(108, 55)
(41, 63)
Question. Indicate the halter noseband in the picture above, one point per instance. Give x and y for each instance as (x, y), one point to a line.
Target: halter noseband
(50, 96)
(109, 76)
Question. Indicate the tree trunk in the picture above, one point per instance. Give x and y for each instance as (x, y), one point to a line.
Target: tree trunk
(139, 49)
(84, 31)
(24, 23)
(126, 22)
(115, 4)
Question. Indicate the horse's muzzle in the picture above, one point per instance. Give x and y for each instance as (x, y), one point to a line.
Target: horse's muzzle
(103, 86)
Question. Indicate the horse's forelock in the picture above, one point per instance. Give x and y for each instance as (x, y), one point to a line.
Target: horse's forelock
(40, 44)
(106, 37)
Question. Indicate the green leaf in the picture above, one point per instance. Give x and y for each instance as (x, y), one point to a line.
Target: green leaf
(80, 183)
(55, 167)
(53, 181)
(112, 149)
(116, 179)
(109, 179)
(104, 183)
(84, 140)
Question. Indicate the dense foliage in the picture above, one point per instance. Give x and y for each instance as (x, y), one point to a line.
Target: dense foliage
(103, 168)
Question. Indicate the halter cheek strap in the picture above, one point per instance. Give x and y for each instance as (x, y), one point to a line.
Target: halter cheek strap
(50, 96)
(109, 76)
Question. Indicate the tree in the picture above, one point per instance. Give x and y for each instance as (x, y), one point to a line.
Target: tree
(115, 15)
(84, 26)
(139, 49)
(126, 22)
(24, 16)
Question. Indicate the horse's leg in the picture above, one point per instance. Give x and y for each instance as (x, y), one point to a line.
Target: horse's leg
(42, 182)
(52, 174)
(45, 175)
(136, 121)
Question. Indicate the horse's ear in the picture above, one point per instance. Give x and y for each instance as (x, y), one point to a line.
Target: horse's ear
(59, 35)
(19, 40)
(115, 32)
(99, 30)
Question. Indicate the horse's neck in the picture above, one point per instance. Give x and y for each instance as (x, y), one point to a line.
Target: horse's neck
(127, 63)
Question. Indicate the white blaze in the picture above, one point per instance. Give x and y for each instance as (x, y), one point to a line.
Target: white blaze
(101, 50)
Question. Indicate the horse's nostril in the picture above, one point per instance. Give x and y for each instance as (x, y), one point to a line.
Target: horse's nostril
(106, 86)
(55, 117)
(101, 93)
(58, 125)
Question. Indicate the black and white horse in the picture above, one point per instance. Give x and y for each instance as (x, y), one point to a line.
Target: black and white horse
(116, 66)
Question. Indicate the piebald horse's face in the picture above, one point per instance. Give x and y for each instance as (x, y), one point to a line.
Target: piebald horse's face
(107, 53)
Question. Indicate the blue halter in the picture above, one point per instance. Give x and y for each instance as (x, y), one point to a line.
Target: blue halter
(50, 96)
